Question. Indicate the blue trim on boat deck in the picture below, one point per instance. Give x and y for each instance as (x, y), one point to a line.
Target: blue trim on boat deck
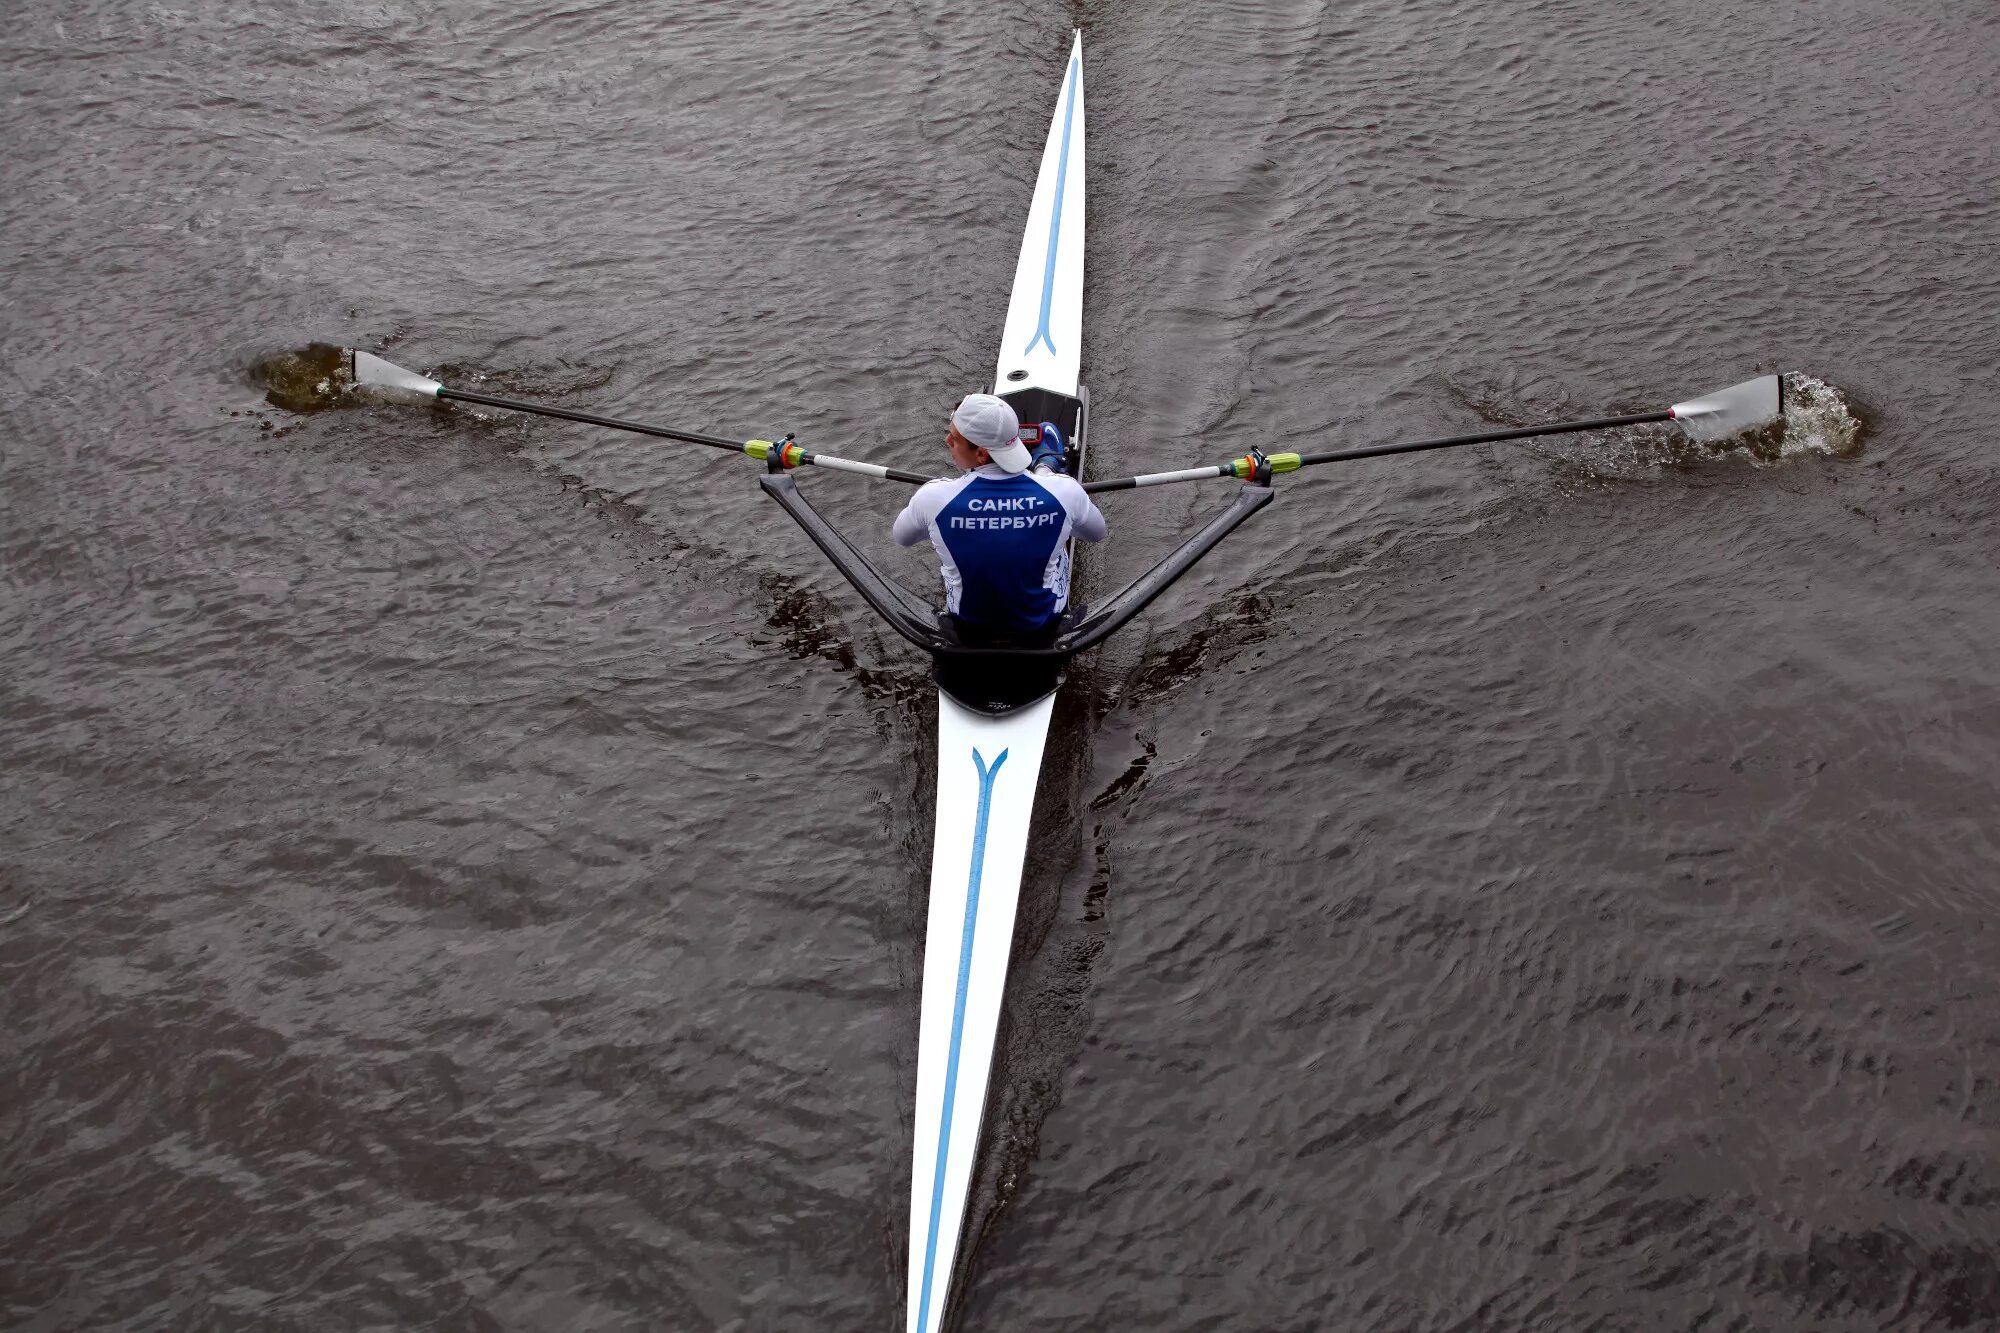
(1055, 214)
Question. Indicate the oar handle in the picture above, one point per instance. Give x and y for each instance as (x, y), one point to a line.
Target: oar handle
(785, 455)
(859, 469)
(1155, 479)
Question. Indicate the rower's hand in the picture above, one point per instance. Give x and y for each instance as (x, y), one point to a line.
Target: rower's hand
(1048, 454)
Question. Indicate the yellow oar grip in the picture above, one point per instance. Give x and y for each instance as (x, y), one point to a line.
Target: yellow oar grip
(787, 453)
(1246, 466)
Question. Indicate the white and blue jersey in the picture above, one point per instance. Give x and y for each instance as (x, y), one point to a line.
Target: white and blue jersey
(1002, 542)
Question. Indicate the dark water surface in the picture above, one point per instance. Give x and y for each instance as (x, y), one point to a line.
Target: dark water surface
(468, 872)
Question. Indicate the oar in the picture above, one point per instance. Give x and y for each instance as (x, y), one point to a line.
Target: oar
(368, 369)
(1721, 414)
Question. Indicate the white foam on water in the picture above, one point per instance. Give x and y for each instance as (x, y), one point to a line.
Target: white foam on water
(1817, 420)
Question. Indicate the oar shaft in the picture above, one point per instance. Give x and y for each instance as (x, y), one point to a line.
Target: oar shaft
(755, 448)
(593, 419)
(1484, 437)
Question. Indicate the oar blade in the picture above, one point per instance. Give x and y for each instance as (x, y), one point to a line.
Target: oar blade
(369, 371)
(1740, 407)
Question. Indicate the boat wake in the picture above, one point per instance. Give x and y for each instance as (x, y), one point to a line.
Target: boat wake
(808, 625)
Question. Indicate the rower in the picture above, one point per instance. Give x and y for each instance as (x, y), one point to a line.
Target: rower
(1002, 530)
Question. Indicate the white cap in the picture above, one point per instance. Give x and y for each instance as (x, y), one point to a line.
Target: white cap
(991, 424)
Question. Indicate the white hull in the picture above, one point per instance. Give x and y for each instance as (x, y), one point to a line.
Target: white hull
(987, 771)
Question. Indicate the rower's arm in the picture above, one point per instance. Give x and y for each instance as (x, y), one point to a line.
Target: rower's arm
(1086, 520)
(914, 523)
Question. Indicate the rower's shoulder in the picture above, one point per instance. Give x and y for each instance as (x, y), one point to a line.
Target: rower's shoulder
(1061, 484)
(936, 493)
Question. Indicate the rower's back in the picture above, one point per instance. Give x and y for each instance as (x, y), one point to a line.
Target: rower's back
(1002, 542)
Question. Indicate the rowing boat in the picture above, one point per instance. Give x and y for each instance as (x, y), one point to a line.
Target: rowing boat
(990, 754)
(994, 704)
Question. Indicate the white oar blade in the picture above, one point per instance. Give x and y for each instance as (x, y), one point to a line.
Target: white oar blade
(1740, 407)
(372, 372)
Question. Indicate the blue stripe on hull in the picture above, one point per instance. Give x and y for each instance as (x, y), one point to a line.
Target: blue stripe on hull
(986, 775)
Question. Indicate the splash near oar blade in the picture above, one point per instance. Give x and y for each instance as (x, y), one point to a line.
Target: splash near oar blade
(1729, 411)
